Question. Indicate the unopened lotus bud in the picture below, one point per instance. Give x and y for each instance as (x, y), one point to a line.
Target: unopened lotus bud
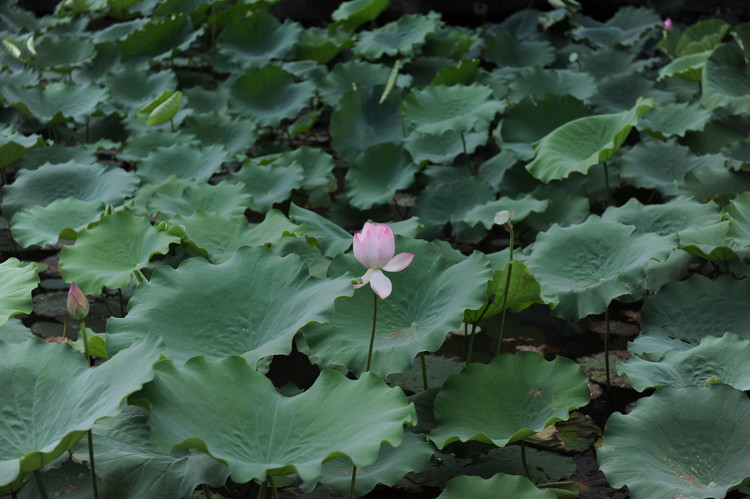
(78, 305)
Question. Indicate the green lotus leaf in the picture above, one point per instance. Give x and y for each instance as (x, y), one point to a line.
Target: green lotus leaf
(676, 318)
(443, 148)
(18, 281)
(273, 434)
(14, 145)
(57, 102)
(215, 235)
(428, 300)
(130, 86)
(219, 129)
(321, 45)
(56, 154)
(688, 67)
(131, 466)
(621, 91)
(578, 145)
(536, 82)
(664, 219)
(652, 449)
(356, 74)
(317, 165)
(464, 73)
(274, 227)
(269, 94)
(532, 394)
(268, 184)
(436, 109)
(710, 242)
(626, 28)
(375, 176)
(504, 49)
(519, 209)
(42, 406)
(138, 146)
(61, 219)
(674, 119)
(724, 358)
(63, 52)
(226, 199)
(106, 254)
(255, 40)
(92, 182)
(271, 299)
(601, 261)
(353, 13)
(183, 160)
(726, 80)
(332, 239)
(702, 36)
(738, 212)
(480, 488)
(397, 37)
(439, 367)
(158, 38)
(413, 455)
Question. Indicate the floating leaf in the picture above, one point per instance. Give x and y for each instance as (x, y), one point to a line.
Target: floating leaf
(61, 219)
(18, 281)
(738, 212)
(464, 73)
(397, 37)
(274, 434)
(130, 86)
(710, 242)
(726, 80)
(626, 28)
(520, 209)
(63, 52)
(532, 394)
(478, 487)
(375, 176)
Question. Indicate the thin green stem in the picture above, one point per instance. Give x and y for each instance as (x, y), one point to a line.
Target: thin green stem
(354, 482)
(606, 345)
(91, 463)
(606, 183)
(85, 338)
(463, 143)
(40, 485)
(372, 335)
(263, 489)
(471, 343)
(106, 304)
(505, 297)
(424, 370)
(523, 461)
(122, 305)
(273, 487)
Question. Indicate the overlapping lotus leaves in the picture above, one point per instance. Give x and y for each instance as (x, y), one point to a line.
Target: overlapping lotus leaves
(464, 73)
(269, 94)
(726, 80)
(355, 74)
(442, 149)
(93, 182)
(660, 448)
(481, 488)
(702, 36)
(443, 202)
(397, 37)
(738, 212)
(459, 107)
(268, 184)
(183, 160)
(61, 219)
(272, 434)
(332, 239)
(179, 197)
(317, 165)
(42, 406)
(106, 254)
(682, 313)
(652, 164)
(131, 88)
(580, 144)
(505, 49)
(219, 129)
(519, 208)
(688, 67)
(720, 360)
(584, 267)
(413, 455)
(14, 145)
(158, 38)
(626, 28)
(321, 45)
(271, 298)
(509, 399)
(255, 40)
(535, 82)
(352, 13)
(664, 219)
(675, 119)
(131, 466)
(710, 242)
(63, 52)
(375, 176)
(17, 281)
(57, 102)
(415, 317)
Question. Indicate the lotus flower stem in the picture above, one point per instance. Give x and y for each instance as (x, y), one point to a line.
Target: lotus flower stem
(85, 339)
(372, 335)
(523, 461)
(606, 345)
(40, 485)
(606, 183)
(505, 295)
(273, 487)
(91, 463)
(106, 303)
(424, 370)
(263, 489)
(354, 481)
(122, 305)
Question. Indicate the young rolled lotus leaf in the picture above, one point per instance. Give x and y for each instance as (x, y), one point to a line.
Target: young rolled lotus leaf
(413, 455)
(478, 487)
(106, 254)
(86, 182)
(584, 267)
(723, 360)
(652, 450)
(580, 144)
(269, 94)
(42, 406)
(397, 37)
(674, 119)
(459, 107)
(183, 160)
(131, 466)
(428, 300)
(61, 219)
(272, 434)
(268, 184)
(507, 400)
(186, 197)
(59, 101)
(17, 281)
(353, 13)
(675, 318)
(255, 40)
(271, 298)
(726, 80)
(161, 109)
(375, 176)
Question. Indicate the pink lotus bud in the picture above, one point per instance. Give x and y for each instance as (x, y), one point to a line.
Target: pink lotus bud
(78, 305)
(374, 248)
(667, 24)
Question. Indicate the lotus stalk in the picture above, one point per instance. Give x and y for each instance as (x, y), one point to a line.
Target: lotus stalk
(503, 218)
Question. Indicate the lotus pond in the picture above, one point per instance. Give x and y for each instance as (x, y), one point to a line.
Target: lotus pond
(561, 206)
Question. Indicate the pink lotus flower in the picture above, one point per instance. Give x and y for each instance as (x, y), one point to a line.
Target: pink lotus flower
(667, 24)
(78, 305)
(374, 248)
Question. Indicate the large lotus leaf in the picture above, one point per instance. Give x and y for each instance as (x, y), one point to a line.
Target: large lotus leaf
(689, 67)
(42, 415)
(321, 45)
(226, 199)
(626, 28)
(738, 212)
(397, 37)
(413, 455)
(702, 36)
(479, 488)
(215, 235)
(254, 40)
(726, 80)
(674, 119)
(375, 176)
(536, 81)
(519, 209)
(220, 129)
(317, 165)
(356, 74)
(505, 49)
(442, 149)
(668, 218)
(682, 313)
(269, 94)
(509, 399)
(14, 145)
(710, 242)
(268, 433)
(361, 121)
(251, 305)
(459, 107)
(665, 448)
(93, 182)
(588, 265)
(138, 146)
(332, 239)
(57, 102)
(61, 219)
(652, 164)
(131, 466)
(158, 38)
(16, 285)
(55, 154)
(268, 184)
(621, 91)
(64, 51)
(132, 87)
(428, 300)
(183, 160)
(580, 144)
(106, 254)
(352, 13)
(722, 359)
